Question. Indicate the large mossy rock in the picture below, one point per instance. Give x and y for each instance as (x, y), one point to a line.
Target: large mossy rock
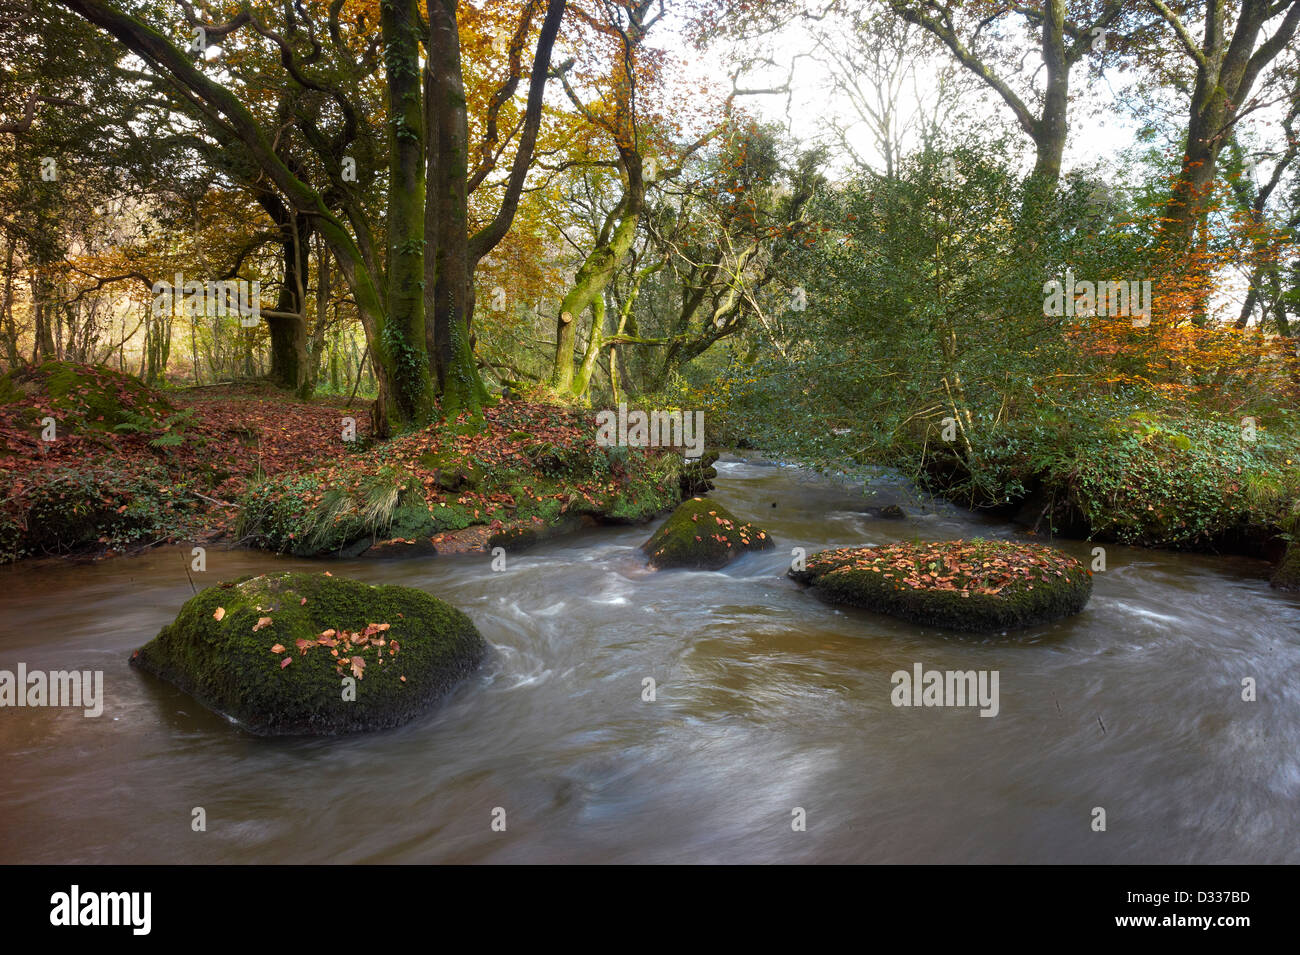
(1287, 575)
(274, 653)
(973, 585)
(84, 398)
(703, 534)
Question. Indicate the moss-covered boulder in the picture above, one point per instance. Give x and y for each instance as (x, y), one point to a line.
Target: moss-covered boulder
(975, 585)
(314, 654)
(83, 398)
(703, 534)
(1287, 575)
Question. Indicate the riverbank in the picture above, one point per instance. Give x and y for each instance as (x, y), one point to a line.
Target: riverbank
(92, 463)
(1175, 480)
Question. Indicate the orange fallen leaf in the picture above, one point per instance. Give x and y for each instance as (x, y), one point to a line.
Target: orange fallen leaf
(278, 648)
(261, 622)
(358, 666)
(218, 613)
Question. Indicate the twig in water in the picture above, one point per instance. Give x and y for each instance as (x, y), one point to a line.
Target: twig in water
(187, 575)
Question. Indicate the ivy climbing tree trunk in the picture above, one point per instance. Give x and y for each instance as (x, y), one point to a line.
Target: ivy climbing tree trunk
(404, 331)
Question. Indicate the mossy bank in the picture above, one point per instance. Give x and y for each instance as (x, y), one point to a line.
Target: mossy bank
(976, 585)
(297, 654)
(528, 468)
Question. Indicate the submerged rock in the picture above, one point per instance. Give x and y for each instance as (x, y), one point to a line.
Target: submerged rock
(890, 512)
(275, 653)
(703, 534)
(973, 585)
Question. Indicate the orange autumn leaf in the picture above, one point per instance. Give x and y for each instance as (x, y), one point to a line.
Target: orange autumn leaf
(261, 623)
(218, 613)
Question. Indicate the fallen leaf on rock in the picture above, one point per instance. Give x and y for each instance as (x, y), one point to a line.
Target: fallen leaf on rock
(261, 622)
(278, 648)
(218, 613)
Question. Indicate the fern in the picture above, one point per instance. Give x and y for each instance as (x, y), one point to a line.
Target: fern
(136, 424)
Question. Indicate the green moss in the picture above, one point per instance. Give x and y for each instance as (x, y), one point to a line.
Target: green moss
(697, 477)
(429, 482)
(452, 472)
(703, 534)
(413, 521)
(89, 505)
(648, 491)
(975, 586)
(325, 511)
(98, 398)
(1287, 575)
(9, 392)
(230, 667)
(451, 517)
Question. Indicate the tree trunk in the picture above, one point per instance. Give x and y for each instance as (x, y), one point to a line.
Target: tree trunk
(447, 277)
(12, 356)
(316, 348)
(43, 348)
(594, 276)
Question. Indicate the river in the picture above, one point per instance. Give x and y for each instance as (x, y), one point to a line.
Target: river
(767, 701)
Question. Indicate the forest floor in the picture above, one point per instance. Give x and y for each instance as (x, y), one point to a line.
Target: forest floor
(93, 462)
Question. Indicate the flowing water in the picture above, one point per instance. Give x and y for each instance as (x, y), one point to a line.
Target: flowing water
(767, 701)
